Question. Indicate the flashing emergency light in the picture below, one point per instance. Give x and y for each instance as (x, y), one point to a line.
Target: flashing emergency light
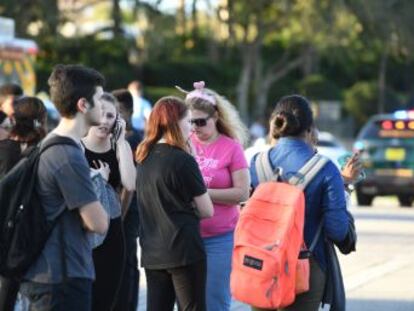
(401, 114)
(387, 125)
(404, 114)
(400, 125)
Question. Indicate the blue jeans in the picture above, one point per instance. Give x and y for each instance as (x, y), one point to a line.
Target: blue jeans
(74, 294)
(219, 251)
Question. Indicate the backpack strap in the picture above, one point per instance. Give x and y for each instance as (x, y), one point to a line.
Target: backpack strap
(301, 180)
(264, 168)
(62, 251)
(56, 140)
(307, 253)
(316, 237)
(305, 175)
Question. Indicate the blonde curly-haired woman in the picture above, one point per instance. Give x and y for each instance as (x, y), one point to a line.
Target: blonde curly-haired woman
(218, 136)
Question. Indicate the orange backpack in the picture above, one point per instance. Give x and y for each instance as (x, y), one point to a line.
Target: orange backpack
(266, 269)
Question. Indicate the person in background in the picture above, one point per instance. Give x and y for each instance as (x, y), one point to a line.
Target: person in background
(292, 126)
(218, 137)
(171, 198)
(126, 109)
(257, 133)
(142, 107)
(8, 93)
(4, 126)
(29, 128)
(128, 294)
(106, 147)
(66, 191)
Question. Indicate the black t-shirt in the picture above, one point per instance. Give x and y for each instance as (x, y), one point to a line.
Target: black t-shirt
(10, 154)
(167, 181)
(110, 158)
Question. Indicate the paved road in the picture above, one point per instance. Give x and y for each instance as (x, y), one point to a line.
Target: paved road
(380, 275)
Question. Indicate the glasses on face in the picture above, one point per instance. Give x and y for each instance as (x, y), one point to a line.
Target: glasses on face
(200, 122)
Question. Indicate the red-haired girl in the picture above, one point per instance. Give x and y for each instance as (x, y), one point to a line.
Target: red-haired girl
(172, 198)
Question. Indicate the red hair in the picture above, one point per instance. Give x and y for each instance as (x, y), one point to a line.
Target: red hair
(163, 123)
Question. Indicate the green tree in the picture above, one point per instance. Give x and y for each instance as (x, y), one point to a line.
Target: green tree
(361, 100)
(276, 38)
(387, 26)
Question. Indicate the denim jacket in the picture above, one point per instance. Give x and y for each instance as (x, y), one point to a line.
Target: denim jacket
(324, 196)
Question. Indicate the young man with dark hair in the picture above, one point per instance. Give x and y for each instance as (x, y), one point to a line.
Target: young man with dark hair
(128, 293)
(61, 277)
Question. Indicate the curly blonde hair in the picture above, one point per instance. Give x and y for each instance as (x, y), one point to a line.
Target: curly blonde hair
(229, 122)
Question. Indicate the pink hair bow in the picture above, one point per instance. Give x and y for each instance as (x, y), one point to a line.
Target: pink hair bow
(199, 92)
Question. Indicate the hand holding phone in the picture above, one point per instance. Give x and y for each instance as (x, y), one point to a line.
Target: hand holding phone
(118, 130)
(352, 168)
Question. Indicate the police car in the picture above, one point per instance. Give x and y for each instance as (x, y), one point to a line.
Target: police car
(387, 146)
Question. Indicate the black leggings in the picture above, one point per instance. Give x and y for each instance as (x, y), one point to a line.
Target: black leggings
(186, 284)
(128, 294)
(109, 261)
(8, 293)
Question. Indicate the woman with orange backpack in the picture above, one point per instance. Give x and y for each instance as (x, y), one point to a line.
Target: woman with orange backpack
(292, 125)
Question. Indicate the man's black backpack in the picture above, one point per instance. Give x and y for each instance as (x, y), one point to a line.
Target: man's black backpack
(24, 228)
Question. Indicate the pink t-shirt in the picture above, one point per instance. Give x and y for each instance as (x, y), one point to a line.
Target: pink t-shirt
(217, 161)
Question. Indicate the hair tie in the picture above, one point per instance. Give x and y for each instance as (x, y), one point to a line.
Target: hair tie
(198, 92)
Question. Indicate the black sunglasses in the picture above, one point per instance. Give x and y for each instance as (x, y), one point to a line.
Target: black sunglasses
(200, 122)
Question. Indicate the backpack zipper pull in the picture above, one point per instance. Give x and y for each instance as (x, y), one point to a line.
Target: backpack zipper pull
(270, 289)
(271, 246)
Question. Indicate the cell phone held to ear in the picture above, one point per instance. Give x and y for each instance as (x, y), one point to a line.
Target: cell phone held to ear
(116, 130)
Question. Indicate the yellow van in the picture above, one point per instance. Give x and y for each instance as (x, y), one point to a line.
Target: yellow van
(17, 58)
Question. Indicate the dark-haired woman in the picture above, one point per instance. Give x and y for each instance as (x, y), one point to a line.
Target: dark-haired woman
(28, 128)
(172, 198)
(292, 125)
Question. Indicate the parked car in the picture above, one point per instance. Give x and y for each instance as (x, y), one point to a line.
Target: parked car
(387, 145)
(329, 146)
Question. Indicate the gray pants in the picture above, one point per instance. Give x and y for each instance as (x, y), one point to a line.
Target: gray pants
(310, 300)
